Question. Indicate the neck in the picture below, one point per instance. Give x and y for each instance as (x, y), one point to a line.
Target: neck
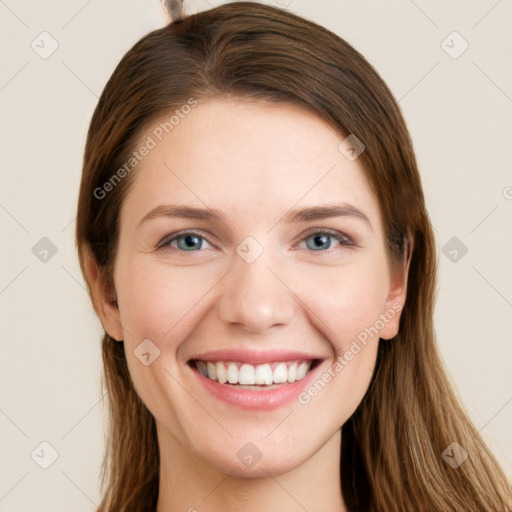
(189, 483)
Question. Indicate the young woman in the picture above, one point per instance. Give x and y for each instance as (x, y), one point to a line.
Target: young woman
(252, 228)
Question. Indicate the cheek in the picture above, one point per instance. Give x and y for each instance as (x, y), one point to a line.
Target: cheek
(158, 299)
(346, 302)
(160, 303)
(346, 313)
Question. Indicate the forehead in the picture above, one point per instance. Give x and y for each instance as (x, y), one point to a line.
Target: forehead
(245, 157)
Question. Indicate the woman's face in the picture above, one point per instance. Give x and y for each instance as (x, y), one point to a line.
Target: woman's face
(227, 259)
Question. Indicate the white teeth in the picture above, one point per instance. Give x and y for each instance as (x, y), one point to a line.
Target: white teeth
(221, 373)
(292, 373)
(210, 368)
(302, 369)
(280, 374)
(263, 374)
(246, 374)
(232, 373)
(249, 375)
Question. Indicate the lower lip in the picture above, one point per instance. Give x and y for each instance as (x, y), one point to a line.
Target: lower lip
(258, 399)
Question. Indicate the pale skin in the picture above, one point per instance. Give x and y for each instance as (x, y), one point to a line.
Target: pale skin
(253, 162)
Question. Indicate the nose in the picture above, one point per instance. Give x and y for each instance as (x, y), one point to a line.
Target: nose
(255, 297)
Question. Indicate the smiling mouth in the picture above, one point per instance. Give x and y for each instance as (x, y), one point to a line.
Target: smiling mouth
(262, 376)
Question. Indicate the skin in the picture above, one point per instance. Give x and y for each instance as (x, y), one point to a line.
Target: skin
(244, 157)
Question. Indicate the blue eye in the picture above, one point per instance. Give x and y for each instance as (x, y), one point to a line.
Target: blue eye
(186, 241)
(322, 239)
(189, 241)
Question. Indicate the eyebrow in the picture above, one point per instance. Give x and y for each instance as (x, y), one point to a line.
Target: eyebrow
(298, 215)
(326, 211)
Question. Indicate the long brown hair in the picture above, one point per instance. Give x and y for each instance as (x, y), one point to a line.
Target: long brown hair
(392, 446)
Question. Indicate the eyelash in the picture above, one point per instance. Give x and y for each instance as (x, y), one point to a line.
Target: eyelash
(343, 240)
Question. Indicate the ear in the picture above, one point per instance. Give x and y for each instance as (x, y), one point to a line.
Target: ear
(396, 296)
(103, 298)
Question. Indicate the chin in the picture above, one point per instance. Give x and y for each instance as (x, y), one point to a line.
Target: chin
(246, 459)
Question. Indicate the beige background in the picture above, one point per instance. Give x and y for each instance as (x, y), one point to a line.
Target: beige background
(458, 111)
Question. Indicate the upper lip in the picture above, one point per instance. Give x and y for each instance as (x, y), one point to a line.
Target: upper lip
(254, 356)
